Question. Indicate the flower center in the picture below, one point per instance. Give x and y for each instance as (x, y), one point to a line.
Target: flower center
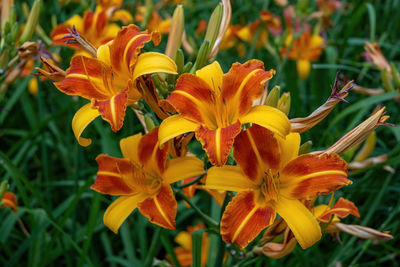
(270, 186)
(220, 109)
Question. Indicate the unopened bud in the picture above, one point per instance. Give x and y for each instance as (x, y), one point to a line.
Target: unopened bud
(6, 12)
(33, 86)
(27, 50)
(176, 32)
(364, 232)
(395, 76)
(180, 61)
(387, 83)
(201, 56)
(284, 103)
(367, 148)
(3, 188)
(358, 165)
(33, 20)
(305, 147)
(150, 125)
(51, 71)
(273, 97)
(213, 27)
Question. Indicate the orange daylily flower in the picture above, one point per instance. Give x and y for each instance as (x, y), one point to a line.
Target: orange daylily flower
(112, 8)
(142, 180)
(305, 49)
(156, 22)
(342, 209)
(215, 105)
(272, 178)
(10, 200)
(109, 80)
(184, 253)
(94, 27)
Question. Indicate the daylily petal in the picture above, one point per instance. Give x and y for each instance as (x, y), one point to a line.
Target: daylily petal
(184, 256)
(289, 148)
(123, 15)
(255, 151)
(10, 200)
(311, 175)
(212, 74)
(81, 120)
(268, 117)
(126, 47)
(243, 84)
(193, 100)
(182, 168)
(173, 126)
(150, 154)
(59, 34)
(342, 208)
(110, 175)
(228, 178)
(86, 78)
(120, 209)
(184, 239)
(113, 110)
(300, 220)
(130, 147)
(218, 143)
(161, 208)
(244, 219)
(103, 53)
(152, 62)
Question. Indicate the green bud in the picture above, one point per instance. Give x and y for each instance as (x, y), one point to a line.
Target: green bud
(273, 97)
(3, 188)
(284, 103)
(395, 75)
(176, 32)
(150, 125)
(33, 20)
(187, 67)
(305, 147)
(179, 60)
(201, 56)
(387, 83)
(213, 27)
(13, 15)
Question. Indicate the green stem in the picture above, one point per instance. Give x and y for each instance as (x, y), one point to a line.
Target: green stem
(150, 255)
(222, 246)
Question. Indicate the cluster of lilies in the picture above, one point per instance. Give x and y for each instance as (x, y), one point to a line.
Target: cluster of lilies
(251, 146)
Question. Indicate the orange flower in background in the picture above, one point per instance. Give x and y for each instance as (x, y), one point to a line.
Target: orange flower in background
(184, 253)
(94, 27)
(142, 180)
(155, 23)
(10, 200)
(272, 178)
(109, 80)
(305, 49)
(214, 105)
(113, 11)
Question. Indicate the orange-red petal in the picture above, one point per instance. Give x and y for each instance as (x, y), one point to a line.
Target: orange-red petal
(342, 208)
(244, 219)
(113, 110)
(243, 84)
(218, 143)
(161, 208)
(150, 154)
(60, 34)
(86, 78)
(126, 47)
(255, 151)
(192, 99)
(10, 200)
(110, 175)
(311, 175)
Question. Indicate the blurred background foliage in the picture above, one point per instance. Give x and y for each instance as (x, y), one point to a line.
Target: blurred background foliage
(51, 174)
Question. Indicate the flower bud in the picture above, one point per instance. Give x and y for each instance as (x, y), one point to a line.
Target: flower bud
(284, 103)
(387, 83)
(305, 147)
(213, 27)
(395, 76)
(367, 148)
(150, 125)
(364, 232)
(273, 97)
(33, 20)
(3, 188)
(176, 32)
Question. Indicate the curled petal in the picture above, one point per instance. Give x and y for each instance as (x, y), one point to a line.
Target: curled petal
(243, 84)
(120, 209)
(152, 62)
(268, 117)
(300, 220)
(228, 178)
(81, 120)
(255, 151)
(150, 154)
(161, 208)
(342, 208)
(218, 143)
(110, 176)
(113, 110)
(173, 126)
(244, 219)
(311, 175)
(182, 168)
